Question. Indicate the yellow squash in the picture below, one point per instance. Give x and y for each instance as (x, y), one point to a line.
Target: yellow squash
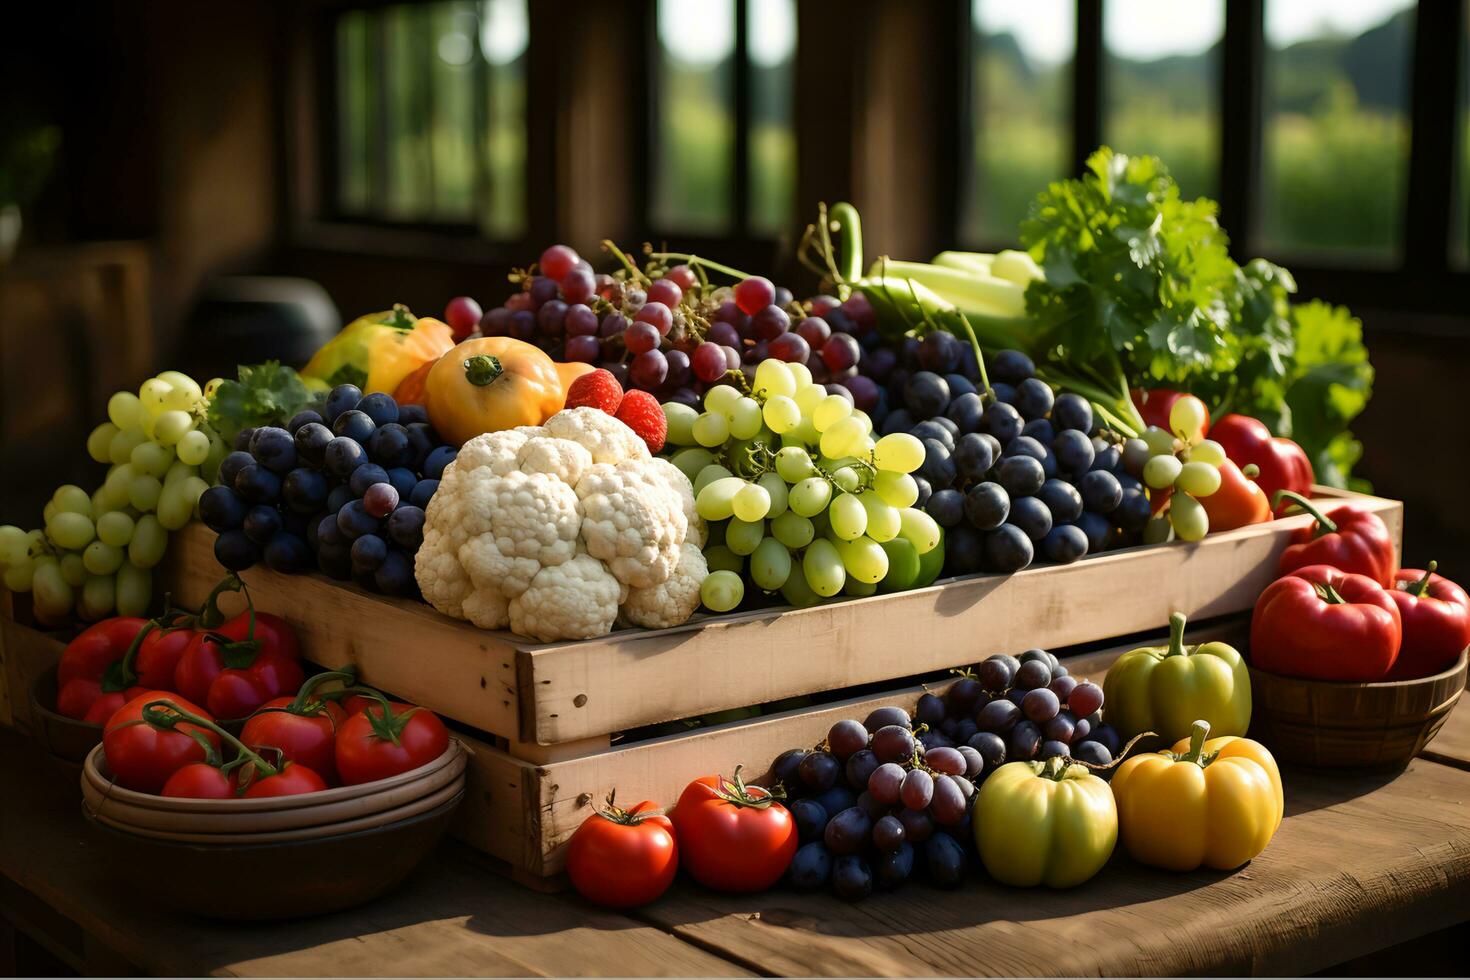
(491, 383)
(1211, 802)
(377, 351)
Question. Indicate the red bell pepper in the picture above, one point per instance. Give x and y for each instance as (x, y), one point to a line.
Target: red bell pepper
(1436, 622)
(86, 672)
(1326, 624)
(1282, 463)
(235, 666)
(1155, 404)
(1239, 501)
(1351, 539)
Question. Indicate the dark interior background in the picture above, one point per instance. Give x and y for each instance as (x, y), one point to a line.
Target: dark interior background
(195, 143)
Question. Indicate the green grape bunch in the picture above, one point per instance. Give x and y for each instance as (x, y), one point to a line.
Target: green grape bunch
(95, 552)
(800, 498)
(1186, 465)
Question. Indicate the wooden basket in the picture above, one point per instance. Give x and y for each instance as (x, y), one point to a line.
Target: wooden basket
(1335, 725)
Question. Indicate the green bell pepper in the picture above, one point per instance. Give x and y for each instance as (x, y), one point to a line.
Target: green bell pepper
(1044, 823)
(1166, 689)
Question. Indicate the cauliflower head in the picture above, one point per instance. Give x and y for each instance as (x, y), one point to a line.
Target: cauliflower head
(556, 531)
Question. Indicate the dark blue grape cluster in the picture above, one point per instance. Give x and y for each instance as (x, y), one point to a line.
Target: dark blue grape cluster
(890, 797)
(1030, 473)
(342, 487)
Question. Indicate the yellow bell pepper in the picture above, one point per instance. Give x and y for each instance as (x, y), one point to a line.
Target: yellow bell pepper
(377, 351)
(1163, 689)
(1211, 802)
(1044, 823)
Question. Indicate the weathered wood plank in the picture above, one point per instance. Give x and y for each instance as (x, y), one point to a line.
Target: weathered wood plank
(659, 769)
(399, 645)
(450, 918)
(634, 678)
(1360, 863)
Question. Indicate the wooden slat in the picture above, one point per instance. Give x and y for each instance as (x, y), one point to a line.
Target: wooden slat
(635, 678)
(1360, 863)
(450, 918)
(1451, 745)
(399, 645)
(660, 768)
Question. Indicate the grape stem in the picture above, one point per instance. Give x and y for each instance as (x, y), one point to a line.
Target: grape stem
(1122, 754)
(627, 263)
(693, 260)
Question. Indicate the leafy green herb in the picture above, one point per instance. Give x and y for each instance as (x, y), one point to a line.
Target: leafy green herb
(1141, 292)
(265, 394)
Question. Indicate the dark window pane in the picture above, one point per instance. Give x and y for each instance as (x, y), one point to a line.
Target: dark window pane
(504, 37)
(1163, 85)
(431, 117)
(354, 112)
(1021, 68)
(771, 40)
(695, 125)
(1460, 222)
(1336, 128)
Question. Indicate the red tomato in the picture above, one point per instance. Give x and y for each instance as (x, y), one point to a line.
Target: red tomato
(354, 703)
(107, 704)
(623, 858)
(142, 757)
(307, 739)
(373, 746)
(236, 693)
(199, 664)
(158, 656)
(199, 781)
(272, 632)
(292, 780)
(733, 837)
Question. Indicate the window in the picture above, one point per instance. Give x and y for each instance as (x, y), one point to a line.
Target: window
(431, 115)
(1021, 77)
(708, 50)
(1162, 85)
(1335, 137)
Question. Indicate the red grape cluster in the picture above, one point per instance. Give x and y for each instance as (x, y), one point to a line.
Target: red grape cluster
(669, 331)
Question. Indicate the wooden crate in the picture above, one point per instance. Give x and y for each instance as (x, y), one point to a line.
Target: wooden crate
(552, 701)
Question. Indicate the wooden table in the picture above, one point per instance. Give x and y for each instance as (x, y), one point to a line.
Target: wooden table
(1362, 862)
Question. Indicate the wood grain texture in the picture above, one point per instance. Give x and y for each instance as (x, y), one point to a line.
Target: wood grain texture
(399, 645)
(1352, 726)
(659, 769)
(1452, 745)
(634, 678)
(450, 918)
(1361, 862)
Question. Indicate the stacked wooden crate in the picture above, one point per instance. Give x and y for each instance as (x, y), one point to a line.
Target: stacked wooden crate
(556, 726)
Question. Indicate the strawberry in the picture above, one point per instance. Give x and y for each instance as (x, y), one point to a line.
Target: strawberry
(641, 412)
(597, 389)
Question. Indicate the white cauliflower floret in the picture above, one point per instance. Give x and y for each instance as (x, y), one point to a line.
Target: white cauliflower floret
(607, 439)
(673, 601)
(566, 460)
(633, 521)
(550, 529)
(495, 451)
(442, 579)
(575, 600)
(516, 525)
(679, 483)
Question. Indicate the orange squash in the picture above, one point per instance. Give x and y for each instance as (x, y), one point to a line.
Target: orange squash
(491, 383)
(410, 390)
(570, 371)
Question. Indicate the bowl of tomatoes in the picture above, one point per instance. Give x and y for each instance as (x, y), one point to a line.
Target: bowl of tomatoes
(348, 773)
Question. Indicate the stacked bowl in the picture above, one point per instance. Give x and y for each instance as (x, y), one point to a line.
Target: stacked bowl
(276, 857)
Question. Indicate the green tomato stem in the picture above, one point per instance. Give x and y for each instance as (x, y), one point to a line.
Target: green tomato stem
(482, 370)
(155, 716)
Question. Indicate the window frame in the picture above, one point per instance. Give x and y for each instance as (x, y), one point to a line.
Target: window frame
(1421, 277)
